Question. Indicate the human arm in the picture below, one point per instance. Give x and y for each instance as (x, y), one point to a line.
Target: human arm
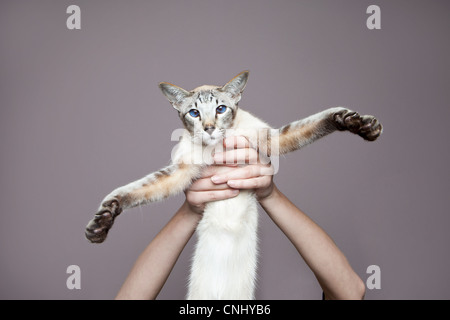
(331, 268)
(155, 263)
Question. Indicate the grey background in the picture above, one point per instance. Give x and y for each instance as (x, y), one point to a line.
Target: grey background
(81, 114)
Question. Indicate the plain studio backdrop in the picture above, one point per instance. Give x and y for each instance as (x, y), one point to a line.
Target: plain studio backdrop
(81, 114)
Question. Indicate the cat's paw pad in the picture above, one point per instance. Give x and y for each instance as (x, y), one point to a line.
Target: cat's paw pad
(97, 229)
(368, 127)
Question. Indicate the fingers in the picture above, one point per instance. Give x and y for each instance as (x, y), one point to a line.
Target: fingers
(205, 184)
(250, 171)
(204, 190)
(215, 169)
(199, 198)
(236, 142)
(239, 151)
(252, 183)
(237, 156)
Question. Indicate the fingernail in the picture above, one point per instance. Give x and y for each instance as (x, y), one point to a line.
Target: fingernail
(232, 183)
(235, 191)
(217, 179)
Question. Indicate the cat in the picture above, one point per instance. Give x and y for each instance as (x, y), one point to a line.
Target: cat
(225, 258)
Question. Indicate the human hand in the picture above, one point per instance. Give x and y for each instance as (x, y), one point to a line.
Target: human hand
(224, 179)
(255, 175)
(204, 190)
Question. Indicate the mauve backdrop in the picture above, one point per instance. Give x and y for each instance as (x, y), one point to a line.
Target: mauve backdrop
(81, 114)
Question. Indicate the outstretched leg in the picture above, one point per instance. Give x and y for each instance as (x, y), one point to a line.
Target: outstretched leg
(303, 132)
(154, 187)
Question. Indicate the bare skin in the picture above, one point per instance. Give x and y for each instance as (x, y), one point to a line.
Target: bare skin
(332, 270)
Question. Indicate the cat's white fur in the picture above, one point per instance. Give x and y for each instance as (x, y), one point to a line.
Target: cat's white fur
(225, 258)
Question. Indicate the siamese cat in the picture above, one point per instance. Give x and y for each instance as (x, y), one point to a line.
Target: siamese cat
(225, 257)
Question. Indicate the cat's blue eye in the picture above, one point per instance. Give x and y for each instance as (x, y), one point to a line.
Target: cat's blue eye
(221, 109)
(194, 113)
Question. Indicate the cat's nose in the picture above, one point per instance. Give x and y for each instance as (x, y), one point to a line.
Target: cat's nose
(210, 129)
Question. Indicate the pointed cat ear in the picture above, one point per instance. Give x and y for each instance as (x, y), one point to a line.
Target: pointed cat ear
(174, 93)
(236, 85)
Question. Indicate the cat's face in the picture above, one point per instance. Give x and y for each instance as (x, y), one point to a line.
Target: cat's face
(207, 111)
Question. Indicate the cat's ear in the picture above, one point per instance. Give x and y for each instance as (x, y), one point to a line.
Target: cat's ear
(174, 93)
(236, 85)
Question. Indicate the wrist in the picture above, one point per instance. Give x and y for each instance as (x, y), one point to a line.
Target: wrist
(187, 212)
(272, 196)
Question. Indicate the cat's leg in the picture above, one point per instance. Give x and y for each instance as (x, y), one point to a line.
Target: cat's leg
(154, 187)
(303, 132)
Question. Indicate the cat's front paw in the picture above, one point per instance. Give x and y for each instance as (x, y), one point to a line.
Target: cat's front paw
(367, 127)
(97, 229)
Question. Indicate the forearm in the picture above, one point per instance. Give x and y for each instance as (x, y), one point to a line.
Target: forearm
(154, 265)
(331, 268)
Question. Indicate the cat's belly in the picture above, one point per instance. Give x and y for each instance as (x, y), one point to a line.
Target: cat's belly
(224, 264)
(234, 215)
